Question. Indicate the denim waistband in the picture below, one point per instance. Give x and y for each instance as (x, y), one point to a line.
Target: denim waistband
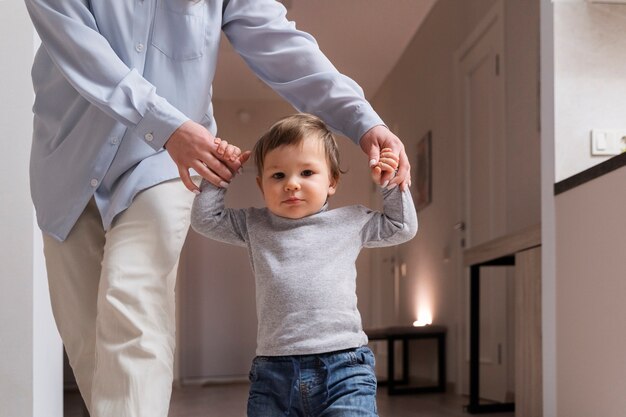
(310, 358)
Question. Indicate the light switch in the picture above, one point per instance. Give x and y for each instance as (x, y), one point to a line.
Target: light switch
(601, 142)
(607, 142)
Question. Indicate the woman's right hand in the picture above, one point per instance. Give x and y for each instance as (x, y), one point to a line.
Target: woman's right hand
(192, 146)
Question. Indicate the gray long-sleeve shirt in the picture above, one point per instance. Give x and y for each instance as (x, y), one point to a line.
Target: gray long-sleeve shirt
(305, 268)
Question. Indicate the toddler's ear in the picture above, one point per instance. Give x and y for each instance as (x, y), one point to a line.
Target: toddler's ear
(332, 187)
(259, 183)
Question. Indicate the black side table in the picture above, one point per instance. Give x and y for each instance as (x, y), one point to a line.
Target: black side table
(405, 334)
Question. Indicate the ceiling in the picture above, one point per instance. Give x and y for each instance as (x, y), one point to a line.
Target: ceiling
(363, 38)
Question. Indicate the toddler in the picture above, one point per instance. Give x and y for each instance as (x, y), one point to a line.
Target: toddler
(312, 355)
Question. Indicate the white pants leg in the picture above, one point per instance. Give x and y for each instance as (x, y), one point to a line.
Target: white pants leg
(113, 300)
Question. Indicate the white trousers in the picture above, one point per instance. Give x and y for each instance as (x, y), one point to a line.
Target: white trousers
(112, 297)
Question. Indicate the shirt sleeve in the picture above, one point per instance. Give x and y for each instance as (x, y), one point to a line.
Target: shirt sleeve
(211, 219)
(69, 34)
(290, 62)
(396, 224)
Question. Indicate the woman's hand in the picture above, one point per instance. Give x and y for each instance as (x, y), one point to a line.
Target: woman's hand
(192, 146)
(380, 137)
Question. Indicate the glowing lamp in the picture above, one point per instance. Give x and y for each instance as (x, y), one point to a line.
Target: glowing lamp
(424, 317)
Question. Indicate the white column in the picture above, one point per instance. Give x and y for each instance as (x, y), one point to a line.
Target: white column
(31, 373)
(548, 233)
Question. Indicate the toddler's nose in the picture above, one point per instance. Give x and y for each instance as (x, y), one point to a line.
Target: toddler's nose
(292, 185)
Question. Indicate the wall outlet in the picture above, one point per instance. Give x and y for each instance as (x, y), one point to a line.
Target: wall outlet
(608, 142)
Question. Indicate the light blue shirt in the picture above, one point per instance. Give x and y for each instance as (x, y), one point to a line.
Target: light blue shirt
(114, 79)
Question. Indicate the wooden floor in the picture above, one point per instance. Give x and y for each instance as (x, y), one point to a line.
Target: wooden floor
(229, 400)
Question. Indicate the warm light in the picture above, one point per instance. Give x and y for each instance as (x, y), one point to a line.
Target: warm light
(424, 316)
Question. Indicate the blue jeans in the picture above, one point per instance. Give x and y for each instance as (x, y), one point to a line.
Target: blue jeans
(335, 384)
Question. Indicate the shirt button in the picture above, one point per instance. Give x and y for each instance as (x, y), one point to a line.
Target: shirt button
(115, 141)
(94, 182)
(148, 137)
(139, 47)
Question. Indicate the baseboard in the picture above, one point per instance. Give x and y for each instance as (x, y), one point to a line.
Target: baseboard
(219, 380)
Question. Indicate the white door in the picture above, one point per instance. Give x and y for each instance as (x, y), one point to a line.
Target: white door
(481, 93)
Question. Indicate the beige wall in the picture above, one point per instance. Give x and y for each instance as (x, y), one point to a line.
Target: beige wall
(416, 97)
(419, 96)
(591, 286)
(522, 113)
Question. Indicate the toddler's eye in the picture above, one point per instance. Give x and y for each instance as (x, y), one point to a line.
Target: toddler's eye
(307, 173)
(278, 176)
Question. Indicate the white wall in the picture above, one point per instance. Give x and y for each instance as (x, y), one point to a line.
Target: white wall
(583, 228)
(31, 355)
(583, 275)
(548, 238)
(590, 54)
(590, 308)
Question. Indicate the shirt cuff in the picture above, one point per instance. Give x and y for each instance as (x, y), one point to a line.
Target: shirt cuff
(158, 124)
(363, 120)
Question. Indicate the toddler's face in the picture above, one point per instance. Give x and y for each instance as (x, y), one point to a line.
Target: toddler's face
(296, 179)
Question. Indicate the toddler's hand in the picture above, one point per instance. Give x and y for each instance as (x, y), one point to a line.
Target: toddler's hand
(226, 150)
(231, 152)
(244, 157)
(388, 162)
